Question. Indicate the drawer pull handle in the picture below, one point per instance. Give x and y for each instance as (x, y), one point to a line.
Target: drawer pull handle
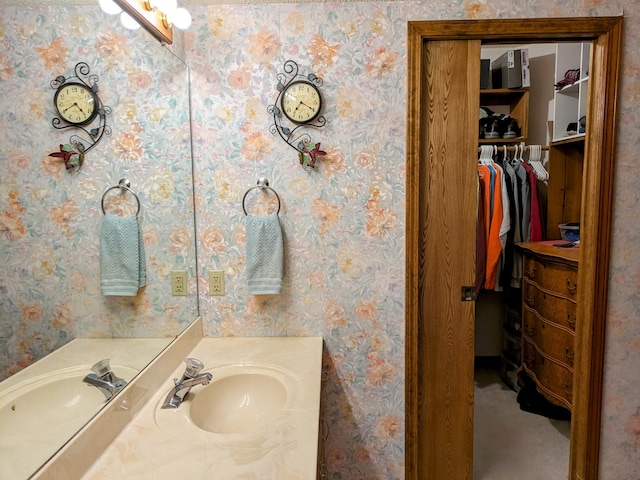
(567, 389)
(529, 329)
(569, 353)
(531, 301)
(570, 288)
(531, 272)
(530, 359)
(571, 320)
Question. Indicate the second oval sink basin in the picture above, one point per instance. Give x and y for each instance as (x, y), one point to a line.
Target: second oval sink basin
(238, 403)
(241, 398)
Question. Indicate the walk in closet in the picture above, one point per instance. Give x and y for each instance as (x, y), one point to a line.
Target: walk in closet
(532, 117)
(443, 92)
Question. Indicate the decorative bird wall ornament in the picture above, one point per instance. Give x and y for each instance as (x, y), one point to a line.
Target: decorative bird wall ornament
(309, 155)
(69, 156)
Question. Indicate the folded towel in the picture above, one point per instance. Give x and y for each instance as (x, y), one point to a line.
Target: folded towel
(264, 255)
(122, 262)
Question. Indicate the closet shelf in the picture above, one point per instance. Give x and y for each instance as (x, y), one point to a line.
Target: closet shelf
(501, 141)
(508, 101)
(579, 138)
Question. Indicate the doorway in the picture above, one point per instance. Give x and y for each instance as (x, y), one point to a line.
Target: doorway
(443, 88)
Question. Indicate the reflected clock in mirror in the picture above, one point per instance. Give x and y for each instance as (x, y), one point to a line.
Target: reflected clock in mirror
(52, 320)
(76, 103)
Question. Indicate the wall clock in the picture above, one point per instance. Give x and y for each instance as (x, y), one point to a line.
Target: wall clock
(299, 102)
(78, 105)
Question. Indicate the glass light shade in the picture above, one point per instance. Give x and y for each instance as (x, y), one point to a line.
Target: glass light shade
(180, 18)
(165, 6)
(128, 21)
(109, 7)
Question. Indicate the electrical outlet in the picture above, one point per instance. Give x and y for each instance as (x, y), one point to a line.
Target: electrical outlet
(179, 282)
(216, 282)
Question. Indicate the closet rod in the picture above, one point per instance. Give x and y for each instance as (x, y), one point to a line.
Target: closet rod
(512, 149)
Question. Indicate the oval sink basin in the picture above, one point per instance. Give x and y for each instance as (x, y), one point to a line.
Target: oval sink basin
(43, 412)
(53, 400)
(241, 398)
(238, 403)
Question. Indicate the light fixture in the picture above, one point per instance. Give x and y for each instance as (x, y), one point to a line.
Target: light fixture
(158, 17)
(110, 7)
(128, 21)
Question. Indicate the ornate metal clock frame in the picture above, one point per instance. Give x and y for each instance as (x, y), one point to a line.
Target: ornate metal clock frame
(79, 144)
(308, 151)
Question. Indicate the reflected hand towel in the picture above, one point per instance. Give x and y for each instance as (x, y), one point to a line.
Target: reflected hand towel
(264, 256)
(122, 260)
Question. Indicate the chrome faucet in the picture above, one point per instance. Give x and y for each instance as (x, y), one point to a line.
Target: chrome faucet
(190, 378)
(103, 378)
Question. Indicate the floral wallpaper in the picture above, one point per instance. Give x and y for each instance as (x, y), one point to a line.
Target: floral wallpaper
(50, 218)
(343, 223)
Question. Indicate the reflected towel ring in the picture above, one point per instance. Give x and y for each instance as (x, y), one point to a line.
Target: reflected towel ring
(123, 184)
(263, 184)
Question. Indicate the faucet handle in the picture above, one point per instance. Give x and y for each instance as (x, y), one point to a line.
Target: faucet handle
(193, 367)
(101, 368)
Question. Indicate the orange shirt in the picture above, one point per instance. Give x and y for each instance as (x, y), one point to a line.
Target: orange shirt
(493, 221)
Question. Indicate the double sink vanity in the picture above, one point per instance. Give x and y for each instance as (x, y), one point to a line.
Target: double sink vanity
(249, 410)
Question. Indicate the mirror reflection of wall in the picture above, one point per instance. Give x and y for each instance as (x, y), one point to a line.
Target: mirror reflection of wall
(50, 219)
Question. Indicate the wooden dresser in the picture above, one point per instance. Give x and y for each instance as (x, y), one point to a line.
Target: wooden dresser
(549, 293)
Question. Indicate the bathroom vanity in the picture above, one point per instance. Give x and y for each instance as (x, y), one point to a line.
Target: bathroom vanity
(258, 417)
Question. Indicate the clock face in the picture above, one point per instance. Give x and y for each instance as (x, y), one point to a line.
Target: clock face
(75, 103)
(301, 102)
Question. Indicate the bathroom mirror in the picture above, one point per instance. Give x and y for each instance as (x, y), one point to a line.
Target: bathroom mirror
(50, 296)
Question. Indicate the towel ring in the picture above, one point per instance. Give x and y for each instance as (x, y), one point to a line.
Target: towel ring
(123, 184)
(263, 184)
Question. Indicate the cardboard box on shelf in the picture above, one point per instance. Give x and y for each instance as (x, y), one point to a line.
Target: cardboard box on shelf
(511, 70)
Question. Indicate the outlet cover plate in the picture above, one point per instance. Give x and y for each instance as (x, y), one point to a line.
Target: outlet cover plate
(216, 282)
(179, 283)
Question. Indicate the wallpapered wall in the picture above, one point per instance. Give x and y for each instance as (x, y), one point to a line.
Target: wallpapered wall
(50, 219)
(344, 223)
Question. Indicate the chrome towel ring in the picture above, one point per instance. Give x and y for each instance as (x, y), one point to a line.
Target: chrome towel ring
(123, 184)
(263, 184)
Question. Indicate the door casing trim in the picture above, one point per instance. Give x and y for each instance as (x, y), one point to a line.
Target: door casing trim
(597, 200)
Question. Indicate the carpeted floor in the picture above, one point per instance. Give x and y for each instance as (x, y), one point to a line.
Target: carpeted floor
(510, 444)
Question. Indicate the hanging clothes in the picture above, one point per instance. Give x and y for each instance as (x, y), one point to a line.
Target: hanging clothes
(481, 239)
(536, 234)
(513, 234)
(505, 225)
(491, 180)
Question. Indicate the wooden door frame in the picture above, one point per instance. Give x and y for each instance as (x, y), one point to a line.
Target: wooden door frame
(606, 33)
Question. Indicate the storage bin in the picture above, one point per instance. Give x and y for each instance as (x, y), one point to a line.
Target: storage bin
(509, 373)
(570, 231)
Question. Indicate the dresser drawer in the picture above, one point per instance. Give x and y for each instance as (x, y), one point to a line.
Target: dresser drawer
(554, 381)
(556, 342)
(555, 309)
(555, 278)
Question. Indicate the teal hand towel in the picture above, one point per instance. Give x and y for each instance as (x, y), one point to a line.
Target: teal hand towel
(122, 260)
(264, 255)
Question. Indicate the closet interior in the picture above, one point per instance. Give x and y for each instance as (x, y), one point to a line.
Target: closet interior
(531, 133)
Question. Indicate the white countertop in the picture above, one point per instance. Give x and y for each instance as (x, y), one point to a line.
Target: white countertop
(286, 449)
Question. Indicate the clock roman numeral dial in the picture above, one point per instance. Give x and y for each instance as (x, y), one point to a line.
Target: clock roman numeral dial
(75, 103)
(301, 102)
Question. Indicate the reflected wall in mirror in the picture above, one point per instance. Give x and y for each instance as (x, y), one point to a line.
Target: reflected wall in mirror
(51, 219)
